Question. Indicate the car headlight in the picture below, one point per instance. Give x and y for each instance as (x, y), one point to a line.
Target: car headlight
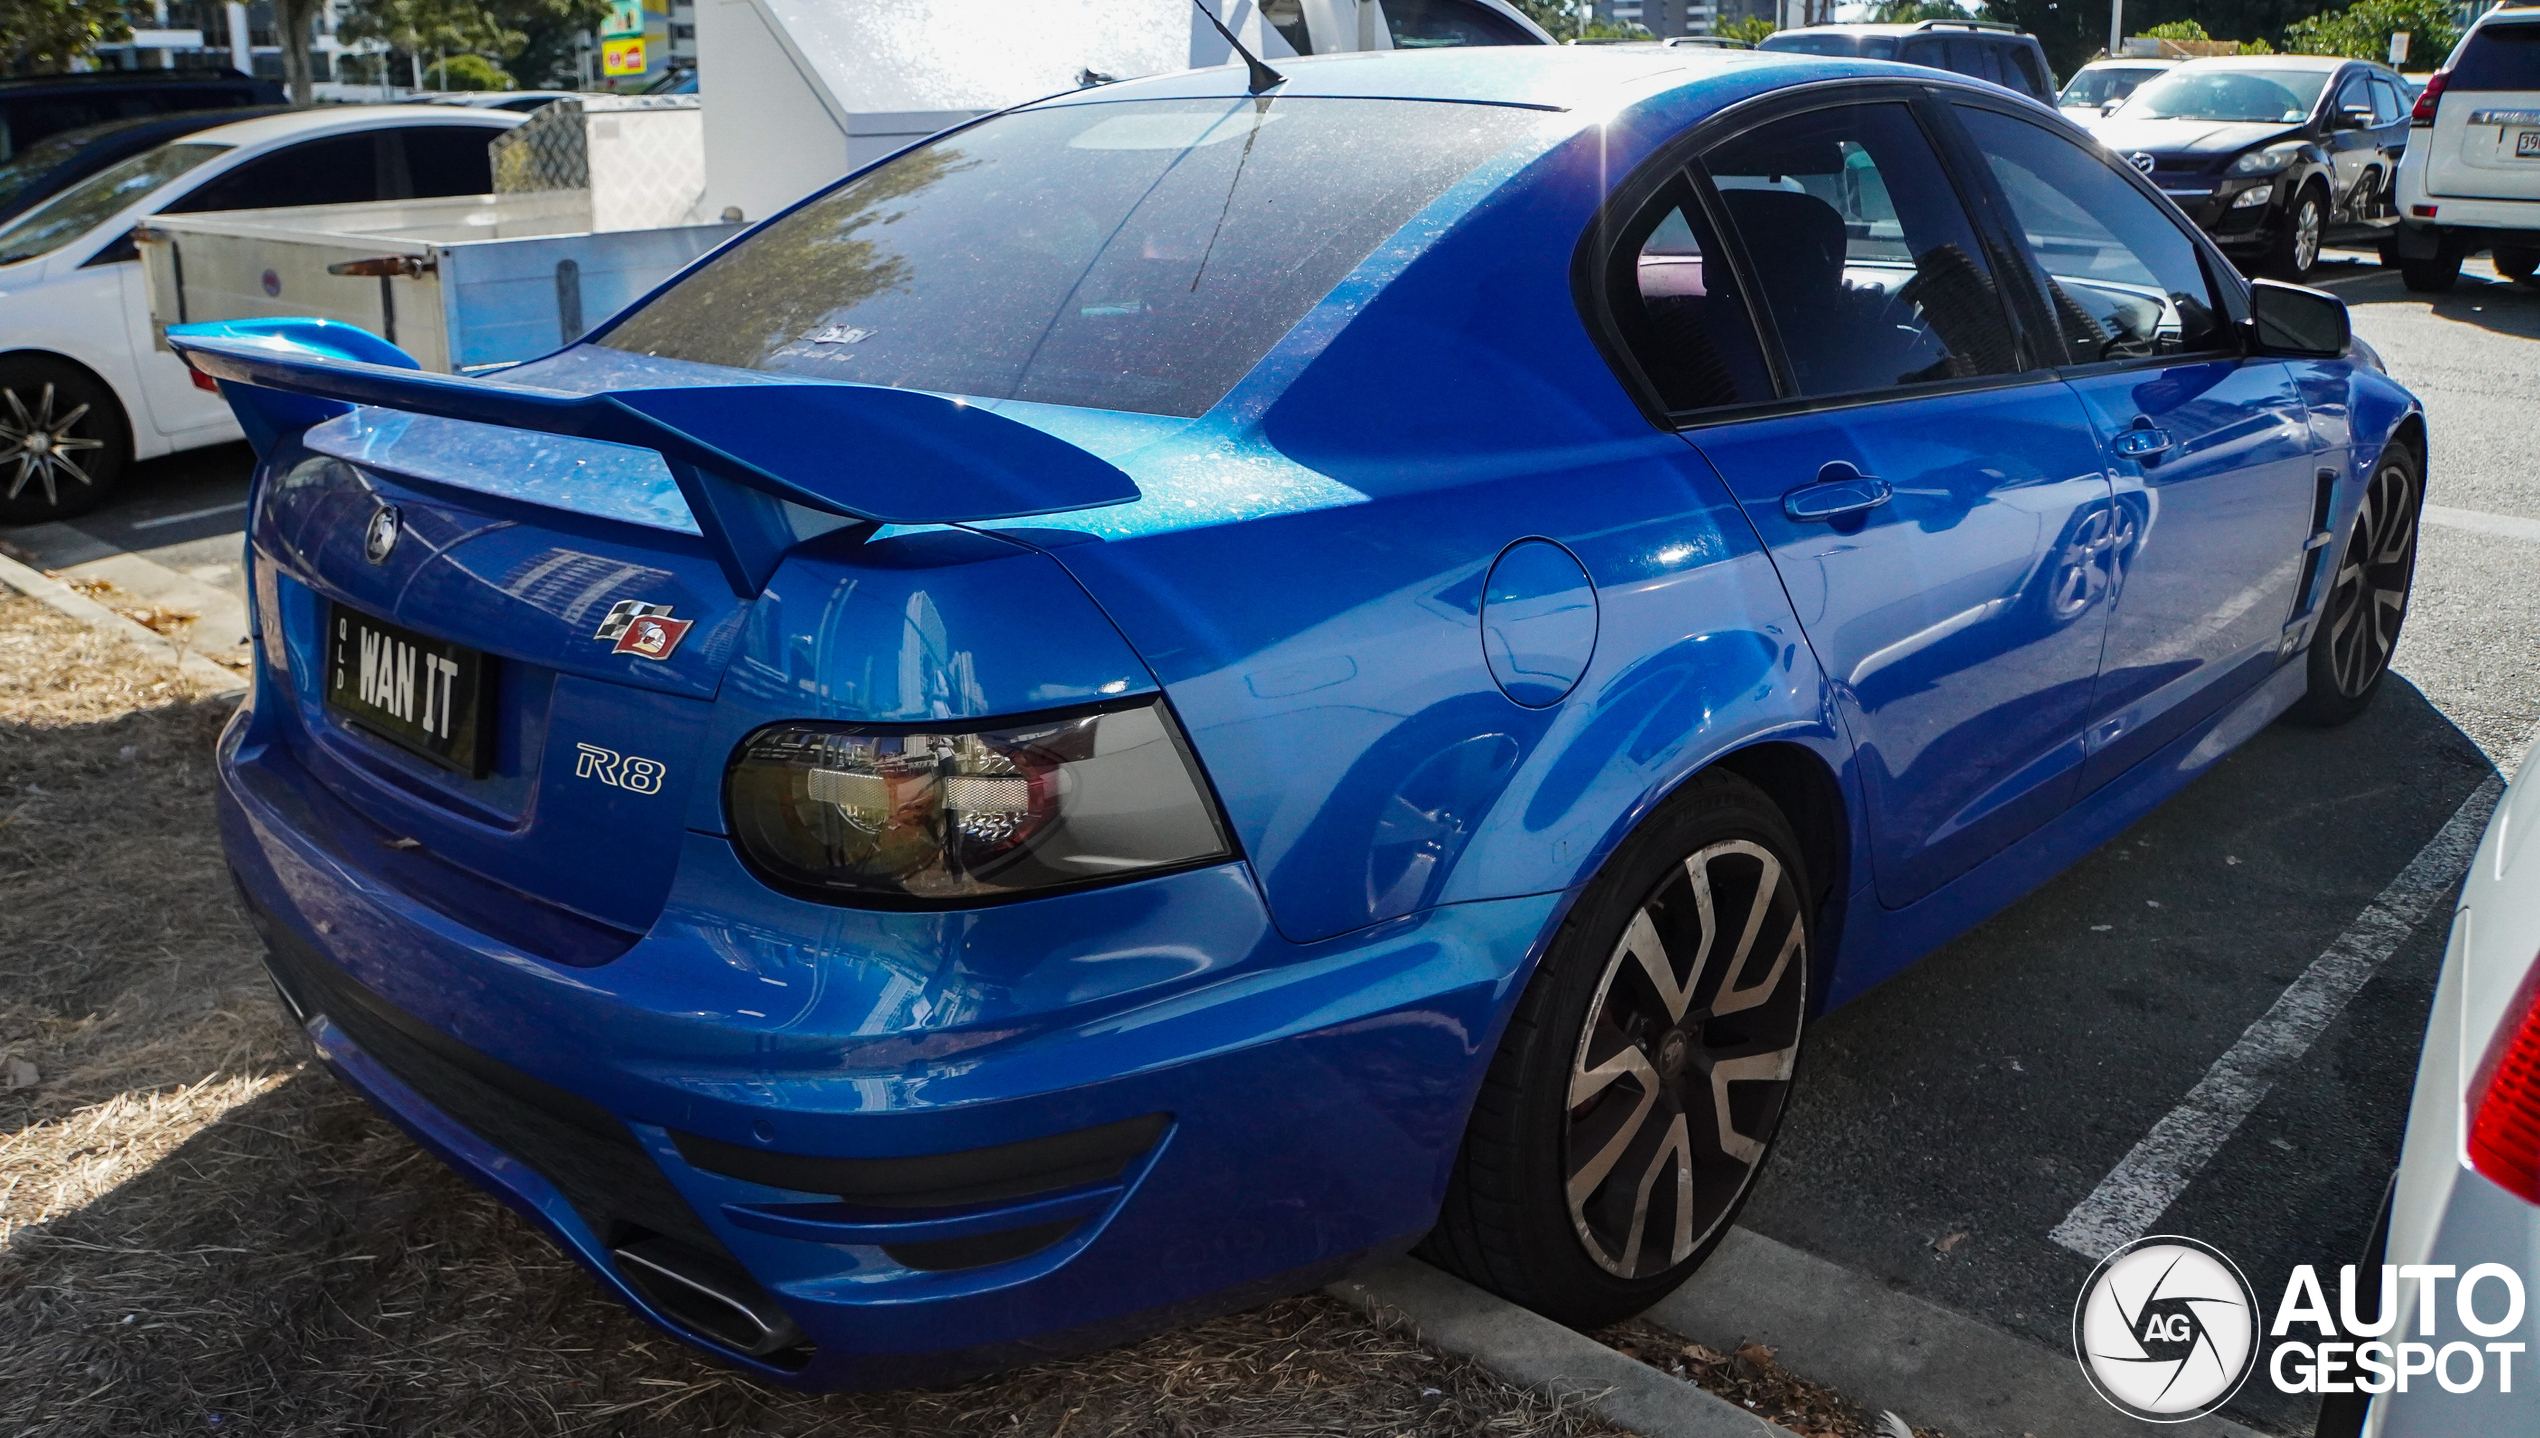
(2268, 161)
(945, 813)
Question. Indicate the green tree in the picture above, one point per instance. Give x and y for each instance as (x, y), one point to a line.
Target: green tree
(1906, 12)
(1752, 29)
(2178, 30)
(1561, 19)
(42, 37)
(547, 29)
(2363, 30)
(431, 28)
(470, 71)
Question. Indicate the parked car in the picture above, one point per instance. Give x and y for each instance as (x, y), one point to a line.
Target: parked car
(1248, 681)
(2003, 54)
(55, 163)
(2101, 85)
(2468, 1188)
(518, 101)
(2274, 155)
(84, 386)
(36, 106)
(2471, 180)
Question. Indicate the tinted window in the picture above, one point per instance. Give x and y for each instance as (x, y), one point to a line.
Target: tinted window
(2498, 57)
(2388, 107)
(2275, 97)
(1430, 24)
(2097, 86)
(447, 160)
(1868, 268)
(82, 207)
(339, 170)
(2354, 94)
(2022, 70)
(1135, 255)
(2121, 280)
(1677, 305)
(1803, 42)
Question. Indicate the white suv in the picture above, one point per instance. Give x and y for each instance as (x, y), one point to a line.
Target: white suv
(2470, 179)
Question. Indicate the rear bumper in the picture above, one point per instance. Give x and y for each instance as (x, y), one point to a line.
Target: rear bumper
(1287, 1110)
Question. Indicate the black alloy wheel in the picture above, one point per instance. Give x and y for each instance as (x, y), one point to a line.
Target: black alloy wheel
(1635, 1097)
(63, 445)
(2296, 251)
(2367, 601)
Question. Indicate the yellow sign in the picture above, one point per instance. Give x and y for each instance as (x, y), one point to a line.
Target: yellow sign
(622, 57)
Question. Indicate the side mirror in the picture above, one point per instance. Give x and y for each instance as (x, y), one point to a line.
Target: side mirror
(2355, 117)
(2296, 322)
(2110, 108)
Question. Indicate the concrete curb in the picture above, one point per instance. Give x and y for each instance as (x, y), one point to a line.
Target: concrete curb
(1540, 1354)
(1885, 1349)
(217, 682)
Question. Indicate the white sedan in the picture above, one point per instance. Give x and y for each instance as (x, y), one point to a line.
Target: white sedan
(83, 389)
(2451, 1351)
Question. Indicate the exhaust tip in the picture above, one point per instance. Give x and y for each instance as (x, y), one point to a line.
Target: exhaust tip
(710, 1296)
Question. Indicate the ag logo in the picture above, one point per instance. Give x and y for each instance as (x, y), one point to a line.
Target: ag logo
(636, 776)
(2166, 1329)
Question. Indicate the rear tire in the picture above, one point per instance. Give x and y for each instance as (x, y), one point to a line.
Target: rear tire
(2430, 276)
(2516, 262)
(2367, 600)
(1635, 1096)
(63, 441)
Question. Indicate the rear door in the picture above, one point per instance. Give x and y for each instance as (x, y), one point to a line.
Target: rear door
(1931, 499)
(2210, 453)
(2487, 125)
(2354, 140)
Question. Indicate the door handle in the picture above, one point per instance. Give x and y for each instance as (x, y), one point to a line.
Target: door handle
(1840, 492)
(2141, 443)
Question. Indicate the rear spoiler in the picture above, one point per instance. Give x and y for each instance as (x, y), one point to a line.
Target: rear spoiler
(892, 456)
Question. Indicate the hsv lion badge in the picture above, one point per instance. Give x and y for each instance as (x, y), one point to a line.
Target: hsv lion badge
(644, 630)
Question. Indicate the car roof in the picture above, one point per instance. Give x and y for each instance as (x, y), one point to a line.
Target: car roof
(1917, 27)
(2272, 62)
(1547, 77)
(2130, 62)
(321, 119)
(174, 121)
(122, 79)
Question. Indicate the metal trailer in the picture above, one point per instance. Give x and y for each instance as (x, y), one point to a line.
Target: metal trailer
(601, 203)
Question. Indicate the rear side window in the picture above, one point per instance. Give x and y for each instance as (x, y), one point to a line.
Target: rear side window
(1867, 265)
(2498, 57)
(2023, 71)
(2388, 108)
(1805, 43)
(444, 160)
(2121, 280)
(338, 170)
(1678, 308)
(1137, 255)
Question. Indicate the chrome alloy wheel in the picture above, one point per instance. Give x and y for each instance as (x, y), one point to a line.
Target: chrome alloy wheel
(1685, 1060)
(38, 445)
(2368, 601)
(2307, 224)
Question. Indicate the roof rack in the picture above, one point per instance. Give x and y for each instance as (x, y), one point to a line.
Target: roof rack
(1995, 25)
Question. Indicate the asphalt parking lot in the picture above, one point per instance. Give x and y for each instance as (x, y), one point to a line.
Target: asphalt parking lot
(1948, 1122)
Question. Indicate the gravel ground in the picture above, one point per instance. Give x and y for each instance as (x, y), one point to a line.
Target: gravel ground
(201, 1232)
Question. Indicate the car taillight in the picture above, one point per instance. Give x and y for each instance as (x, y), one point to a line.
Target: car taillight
(944, 814)
(2504, 1102)
(2423, 114)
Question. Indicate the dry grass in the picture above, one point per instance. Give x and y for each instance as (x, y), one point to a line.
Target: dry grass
(200, 1233)
(1752, 1379)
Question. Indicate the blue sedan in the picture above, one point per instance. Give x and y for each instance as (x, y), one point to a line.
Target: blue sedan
(1215, 677)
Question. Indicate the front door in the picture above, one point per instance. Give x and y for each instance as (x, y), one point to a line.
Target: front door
(2211, 453)
(1937, 510)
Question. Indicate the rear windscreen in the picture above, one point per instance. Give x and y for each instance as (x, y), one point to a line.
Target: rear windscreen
(2498, 57)
(1137, 255)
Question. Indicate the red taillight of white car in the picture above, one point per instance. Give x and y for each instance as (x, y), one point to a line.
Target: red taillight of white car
(2423, 114)
(2504, 1102)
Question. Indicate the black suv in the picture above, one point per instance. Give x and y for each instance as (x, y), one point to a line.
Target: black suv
(2273, 155)
(1983, 49)
(42, 105)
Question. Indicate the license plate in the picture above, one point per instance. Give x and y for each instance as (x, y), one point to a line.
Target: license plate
(2527, 143)
(424, 695)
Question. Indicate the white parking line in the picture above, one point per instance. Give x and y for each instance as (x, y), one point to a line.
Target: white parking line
(189, 514)
(2505, 525)
(2147, 1181)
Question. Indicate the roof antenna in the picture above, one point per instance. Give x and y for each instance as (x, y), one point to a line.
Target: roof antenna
(1263, 77)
